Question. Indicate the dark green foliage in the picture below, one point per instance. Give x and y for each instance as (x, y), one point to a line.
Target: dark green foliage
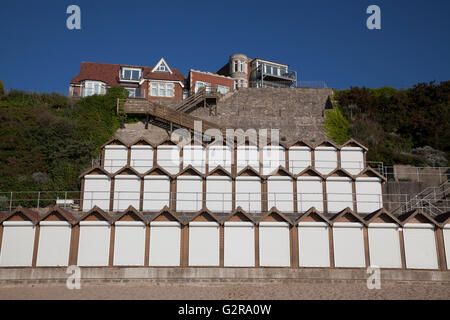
(396, 124)
(46, 143)
(2, 88)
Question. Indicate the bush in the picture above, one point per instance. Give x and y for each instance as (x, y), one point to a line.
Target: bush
(336, 125)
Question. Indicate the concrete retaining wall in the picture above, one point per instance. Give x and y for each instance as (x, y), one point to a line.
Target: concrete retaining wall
(49, 276)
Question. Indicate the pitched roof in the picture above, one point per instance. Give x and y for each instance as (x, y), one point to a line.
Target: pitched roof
(354, 142)
(309, 171)
(381, 212)
(131, 211)
(99, 211)
(275, 211)
(64, 214)
(368, 171)
(94, 169)
(31, 215)
(109, 73)
(347, 212)
(443, 218)
(312, 212)
(167, 211)
(404, 218)
(239, 211)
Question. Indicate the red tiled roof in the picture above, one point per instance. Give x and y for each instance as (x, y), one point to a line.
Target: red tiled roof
(109, 73)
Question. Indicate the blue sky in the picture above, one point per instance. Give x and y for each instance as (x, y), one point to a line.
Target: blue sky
(321, 40)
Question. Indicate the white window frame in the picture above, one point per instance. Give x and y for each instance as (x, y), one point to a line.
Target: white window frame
(122, 74)
(91, 86)
(162, 87)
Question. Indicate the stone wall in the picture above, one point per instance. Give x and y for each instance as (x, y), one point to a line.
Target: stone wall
(297, 112)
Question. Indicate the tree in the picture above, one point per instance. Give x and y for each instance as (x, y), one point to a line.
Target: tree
(2, 88)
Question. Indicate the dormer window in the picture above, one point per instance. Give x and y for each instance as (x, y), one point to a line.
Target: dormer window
(131, 74)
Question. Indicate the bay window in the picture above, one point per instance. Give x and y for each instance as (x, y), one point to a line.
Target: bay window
(93, 87)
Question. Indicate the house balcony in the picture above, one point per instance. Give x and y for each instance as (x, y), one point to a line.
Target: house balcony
(269, 76)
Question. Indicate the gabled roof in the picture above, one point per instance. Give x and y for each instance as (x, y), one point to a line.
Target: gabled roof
(190, 170)
(309, 171)
(280, 171)
(96, 210)
(369, 172)
(109, 73)
(158, 169)
(240, 211)
(352, 142)
(142, 140)
(340, 172)
(379, 214)
(166, 141)
(347, 212)
(204, 211)
(417, 214)
(443, 218)
(248, 170)
(301, 142)
(311, 213)
(67, 216)
(166, 211)
(219, 170)
(275, 211)
(131, 211)
(25, 213)
(96, 168)
(116, 141)
(161, 62)
(326, 143)
(127, 169)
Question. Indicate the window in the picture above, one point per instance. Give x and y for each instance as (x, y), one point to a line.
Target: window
(223, 89)
(236, 66)
(131, 74)
(93, 87)
(154, 88)
(241, 65)
(162, 67)
(200, 84)
(162, 89)
(132, 92)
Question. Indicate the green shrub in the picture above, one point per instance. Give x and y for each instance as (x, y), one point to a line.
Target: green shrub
(336, 125)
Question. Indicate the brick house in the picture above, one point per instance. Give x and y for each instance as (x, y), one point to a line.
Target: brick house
(154, 83)
(162, 82)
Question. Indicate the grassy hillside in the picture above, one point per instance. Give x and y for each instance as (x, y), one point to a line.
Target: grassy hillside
(409, 126)
(46, 142)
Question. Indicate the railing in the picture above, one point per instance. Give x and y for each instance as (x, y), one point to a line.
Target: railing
(433, 200)
(196, 97)
(215, 201)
